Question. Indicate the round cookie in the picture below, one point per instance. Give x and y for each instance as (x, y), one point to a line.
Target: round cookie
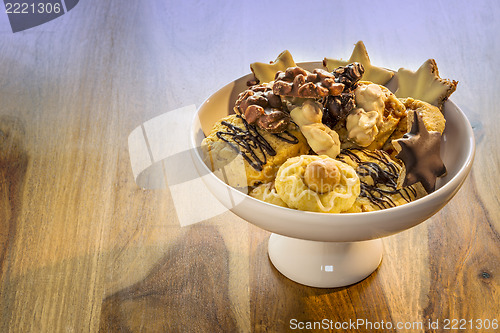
(243, 155)
(267, 192)
(317, 183)
(378, 175)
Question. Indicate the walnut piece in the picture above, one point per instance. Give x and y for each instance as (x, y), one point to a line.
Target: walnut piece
(258, 105)
(297, 82)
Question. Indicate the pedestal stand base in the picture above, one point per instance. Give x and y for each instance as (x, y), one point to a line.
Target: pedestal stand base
(324, 264)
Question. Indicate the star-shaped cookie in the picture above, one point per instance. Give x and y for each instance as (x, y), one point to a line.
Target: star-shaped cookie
(372, 73)
(425, 84)
(420, 152)
(265, 72)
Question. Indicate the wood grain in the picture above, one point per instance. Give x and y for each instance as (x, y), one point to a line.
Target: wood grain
(13, 165)
(177, 296)
(84, 249)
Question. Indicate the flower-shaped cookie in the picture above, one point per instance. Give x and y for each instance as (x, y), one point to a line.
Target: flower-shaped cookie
(317, 183)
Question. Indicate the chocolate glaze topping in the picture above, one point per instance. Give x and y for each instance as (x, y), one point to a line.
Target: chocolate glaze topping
(379, 197)
(248, 141)
(259, 106)
(337, 107)
(349, 75)
(298, 82)
(420, 153)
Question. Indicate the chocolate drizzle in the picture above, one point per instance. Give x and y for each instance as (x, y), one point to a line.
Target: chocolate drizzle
(371, 170)
(248, 141)
(287, 137)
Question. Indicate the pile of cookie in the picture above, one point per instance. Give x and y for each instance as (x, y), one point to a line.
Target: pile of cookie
(334, 139)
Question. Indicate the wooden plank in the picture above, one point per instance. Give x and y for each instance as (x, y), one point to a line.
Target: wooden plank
(83, 248)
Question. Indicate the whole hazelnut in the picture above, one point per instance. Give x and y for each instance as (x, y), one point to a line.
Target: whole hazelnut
(322, 175)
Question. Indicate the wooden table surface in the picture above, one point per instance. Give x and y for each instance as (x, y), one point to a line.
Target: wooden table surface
(83, 248)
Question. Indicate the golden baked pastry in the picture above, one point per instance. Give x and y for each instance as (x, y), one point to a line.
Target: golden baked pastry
(267, 192)
(378, 175)
(244, 155)
(398, 133)
(432, 117)
(317, 183)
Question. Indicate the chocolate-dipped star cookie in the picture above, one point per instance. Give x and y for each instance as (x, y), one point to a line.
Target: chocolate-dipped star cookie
(419, 150)
(372, 73)
(425, 84)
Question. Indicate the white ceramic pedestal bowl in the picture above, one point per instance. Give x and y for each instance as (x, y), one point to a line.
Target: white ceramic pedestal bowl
(331, 250)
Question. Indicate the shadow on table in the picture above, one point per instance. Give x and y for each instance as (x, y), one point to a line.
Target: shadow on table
(187, 291)
(13, 166)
